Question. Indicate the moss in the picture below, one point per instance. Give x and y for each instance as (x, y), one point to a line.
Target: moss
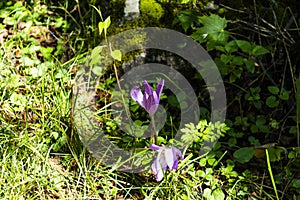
(151, 9)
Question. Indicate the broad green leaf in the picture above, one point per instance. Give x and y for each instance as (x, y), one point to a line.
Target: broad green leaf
(47, 52)
(95, 56)
(101, 27)
(275, 153)
(284, 95)
(272, 102)
(253, 141)
(296, 183)
(106, 25)
(237, 60)
(232, 142)
(117, 55)
(264, 128)
(187, 19)
(273, 89)
(254, 128)
(260, 120)
(218, 194)
(212, 161)
(226, 58)
(249, 65)
(202, 162)
(172, 100)
(245, 46)
(97, 70)
(231, 46)
(259, 50)
(207, 193)
(213, 29)
(97, 50)
(244, 154)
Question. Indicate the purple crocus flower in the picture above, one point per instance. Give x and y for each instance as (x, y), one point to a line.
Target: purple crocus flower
(167, 157)
(150, 99)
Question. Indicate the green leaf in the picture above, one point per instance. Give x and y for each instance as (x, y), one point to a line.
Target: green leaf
(245, 46)
(95, 56)
(244, 154)
(260, 120)
(259, 50)
(237, 60)
(249, 65)
(275, 153)
(47, 52)
(172, 100)
(103, 26)
(55, 135)
(202, 162)
(106, 25)
(100, 27)
(28, 62)
(273, 89)
(284, 95)
(207, 193)
(117, 55)
(253, 141)
(97, 70)
(213, 29)
(226, 58)
(96, 51)
(254, 128)
(272, 102)
(296, 183)
(231, 46)
(212, 161)
(187, 19)
(232, 142)
(218, 194)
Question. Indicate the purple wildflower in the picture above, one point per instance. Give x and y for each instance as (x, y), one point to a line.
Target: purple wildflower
(150, 99)
(167, 157)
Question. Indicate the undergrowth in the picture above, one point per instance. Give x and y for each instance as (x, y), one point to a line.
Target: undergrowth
(43, 46)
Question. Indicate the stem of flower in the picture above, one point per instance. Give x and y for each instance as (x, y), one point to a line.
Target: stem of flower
(154, 129)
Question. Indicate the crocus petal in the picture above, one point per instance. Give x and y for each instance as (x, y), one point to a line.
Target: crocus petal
(155, 147)
(175, 165)
(148, 88)
(150, 99)
(170, 158)
(159, 88)
(152, 104)
(147, 102)
(178, 153)
(156, 167)
(137, 95)
(159, 166)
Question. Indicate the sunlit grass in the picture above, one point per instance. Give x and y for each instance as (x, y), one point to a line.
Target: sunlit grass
(41, 155)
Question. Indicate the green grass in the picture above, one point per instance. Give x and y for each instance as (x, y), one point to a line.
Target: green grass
(41, 155)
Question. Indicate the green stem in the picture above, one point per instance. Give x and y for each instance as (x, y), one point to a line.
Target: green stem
(271, 174)
(154, 129)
